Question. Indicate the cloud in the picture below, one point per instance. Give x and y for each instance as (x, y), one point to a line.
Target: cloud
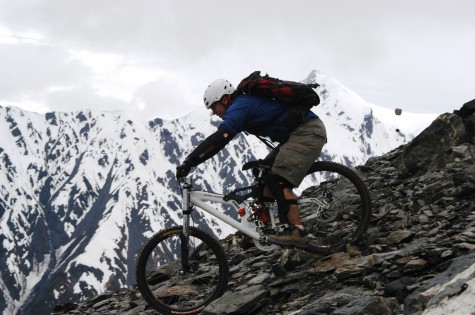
(82, 97)
(28, 68)
(157, 55)
(165, 97)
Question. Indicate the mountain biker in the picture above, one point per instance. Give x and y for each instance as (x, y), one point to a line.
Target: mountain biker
(299, 146)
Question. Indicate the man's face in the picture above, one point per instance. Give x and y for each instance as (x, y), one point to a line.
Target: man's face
(218, 109)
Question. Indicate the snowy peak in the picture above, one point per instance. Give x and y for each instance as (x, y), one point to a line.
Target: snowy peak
(358, 130)
(81, 191)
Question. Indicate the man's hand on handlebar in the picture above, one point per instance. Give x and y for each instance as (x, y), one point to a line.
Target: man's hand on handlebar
(183, 170)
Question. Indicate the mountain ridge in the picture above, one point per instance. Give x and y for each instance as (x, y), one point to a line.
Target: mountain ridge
(81, 191)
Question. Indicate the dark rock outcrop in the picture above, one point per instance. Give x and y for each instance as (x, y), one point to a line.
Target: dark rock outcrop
(432, 148)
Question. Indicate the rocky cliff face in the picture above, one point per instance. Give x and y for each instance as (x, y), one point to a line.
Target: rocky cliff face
(418, 257)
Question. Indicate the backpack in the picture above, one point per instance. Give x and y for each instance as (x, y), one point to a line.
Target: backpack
(294, 94)
(300, 97)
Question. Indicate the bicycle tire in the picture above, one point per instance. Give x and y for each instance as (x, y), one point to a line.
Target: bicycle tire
(159, 265)
(335, 208)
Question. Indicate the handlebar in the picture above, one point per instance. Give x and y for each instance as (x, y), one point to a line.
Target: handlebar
(182, 181)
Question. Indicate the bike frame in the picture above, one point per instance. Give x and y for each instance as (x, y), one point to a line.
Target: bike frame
(199, 198)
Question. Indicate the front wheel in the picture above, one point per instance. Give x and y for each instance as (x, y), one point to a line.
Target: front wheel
(334, 204)
(176, 274)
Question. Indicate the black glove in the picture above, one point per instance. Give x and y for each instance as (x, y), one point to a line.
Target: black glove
(183, 170)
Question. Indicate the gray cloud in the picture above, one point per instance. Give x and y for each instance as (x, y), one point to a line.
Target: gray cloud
(26, 68)
(164, 98)
(82, 97)
(410, 54)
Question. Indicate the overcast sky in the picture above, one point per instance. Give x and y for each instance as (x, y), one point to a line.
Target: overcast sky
(154, 58)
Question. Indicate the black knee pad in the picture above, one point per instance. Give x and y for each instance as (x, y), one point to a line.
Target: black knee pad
(276, 186)
(271, 177)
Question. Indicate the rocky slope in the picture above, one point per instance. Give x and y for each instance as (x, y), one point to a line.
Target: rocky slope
(418, 256)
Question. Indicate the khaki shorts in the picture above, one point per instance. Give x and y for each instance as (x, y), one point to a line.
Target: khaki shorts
(295, 157)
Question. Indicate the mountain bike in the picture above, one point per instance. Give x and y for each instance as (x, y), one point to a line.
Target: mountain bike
(182, 269)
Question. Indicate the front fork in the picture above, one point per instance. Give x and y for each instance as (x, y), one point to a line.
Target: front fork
(185, 235)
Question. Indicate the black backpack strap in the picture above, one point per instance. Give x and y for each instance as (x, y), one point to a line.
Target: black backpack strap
(266, 141)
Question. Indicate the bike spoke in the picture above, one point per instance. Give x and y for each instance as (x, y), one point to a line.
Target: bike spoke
(168, 283)
(334, 206)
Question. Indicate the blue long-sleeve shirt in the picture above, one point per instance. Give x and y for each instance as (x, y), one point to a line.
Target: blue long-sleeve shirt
(258, 116)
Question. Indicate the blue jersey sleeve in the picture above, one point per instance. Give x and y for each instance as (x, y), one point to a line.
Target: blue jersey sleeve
(236, 117)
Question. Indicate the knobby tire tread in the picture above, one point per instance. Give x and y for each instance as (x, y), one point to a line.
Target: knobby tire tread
(210, 241)
(328, 166)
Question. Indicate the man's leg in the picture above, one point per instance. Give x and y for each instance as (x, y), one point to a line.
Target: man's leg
(294, 234)
(293, 215)
(280, 189)
(292, 163)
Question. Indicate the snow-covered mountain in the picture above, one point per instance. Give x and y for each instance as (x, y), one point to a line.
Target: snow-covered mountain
(81, 191)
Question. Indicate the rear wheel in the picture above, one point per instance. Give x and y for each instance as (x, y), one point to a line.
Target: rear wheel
(175, 275)
(334, 204)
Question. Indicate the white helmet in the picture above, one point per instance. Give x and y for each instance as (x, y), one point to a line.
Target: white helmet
(216, 90)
